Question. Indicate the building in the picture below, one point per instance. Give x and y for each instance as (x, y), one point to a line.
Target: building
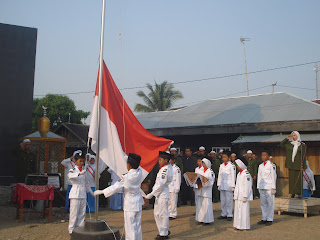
(17, 68)
(242, 123)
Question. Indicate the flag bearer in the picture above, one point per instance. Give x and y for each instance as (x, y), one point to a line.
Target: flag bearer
(174, 188)
(205, 215)
(69, 164)
(226, 184)
(267, 178)
(130, 184)
(242, 196)
(161, 191)
(78, 192)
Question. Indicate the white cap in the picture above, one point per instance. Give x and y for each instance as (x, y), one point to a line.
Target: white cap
(233, 154)
(173, 149)
(213, 152)
(202, 148)
(75, 152)
(270, 157)
(249, 151)
(26, 141)
(241, 164)
(221, 151)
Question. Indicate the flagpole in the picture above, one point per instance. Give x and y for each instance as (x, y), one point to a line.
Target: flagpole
(99, 111)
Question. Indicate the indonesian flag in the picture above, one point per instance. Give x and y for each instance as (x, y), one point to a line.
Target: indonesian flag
(120, 131)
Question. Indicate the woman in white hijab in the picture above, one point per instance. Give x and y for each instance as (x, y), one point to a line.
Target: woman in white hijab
(295, 159)
(309, 184)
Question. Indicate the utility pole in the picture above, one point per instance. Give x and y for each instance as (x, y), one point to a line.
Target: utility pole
(69, 117)
(242, 40)
(316, 69)
(273, 85)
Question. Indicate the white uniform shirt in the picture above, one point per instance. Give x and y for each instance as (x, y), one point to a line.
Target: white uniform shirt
(68, 164)
(91, 169)
(243, 187)
(227, 177)
(206, 190)
(79, 183)
(267, 176)
(174, 186)
(130, 184)
(164, 178)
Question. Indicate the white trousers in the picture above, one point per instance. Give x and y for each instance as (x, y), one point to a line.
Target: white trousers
(161, 215)
(132, 225)
(267, 204)
(241, 219)
(205, 211)
(173, 201)
(77, 213)
(226, 198)
(196, 200)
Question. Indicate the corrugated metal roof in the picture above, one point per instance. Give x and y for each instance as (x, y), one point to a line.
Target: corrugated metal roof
(274, 138)
(275, 107)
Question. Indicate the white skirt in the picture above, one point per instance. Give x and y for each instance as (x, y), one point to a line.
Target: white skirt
(241, 218)
(204, 212)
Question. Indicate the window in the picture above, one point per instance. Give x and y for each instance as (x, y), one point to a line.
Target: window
(217, 149)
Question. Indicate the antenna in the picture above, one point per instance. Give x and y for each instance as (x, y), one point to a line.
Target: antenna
(242, 40)
(316, 69)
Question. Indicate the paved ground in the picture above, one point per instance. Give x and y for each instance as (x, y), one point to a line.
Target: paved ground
(286, 226)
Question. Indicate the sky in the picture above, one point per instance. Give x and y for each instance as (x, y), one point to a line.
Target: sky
(174, 41)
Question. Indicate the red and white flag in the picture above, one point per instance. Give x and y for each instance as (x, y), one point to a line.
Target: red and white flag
(120, 131)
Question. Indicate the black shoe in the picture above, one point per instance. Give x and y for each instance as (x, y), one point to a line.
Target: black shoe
(229, 218)
(292, 196)
(161, 237)
(222, 217)
(262, 222)
(268, 223)
(169, 233)
(205, 224)
(172, 218)
(194, 214)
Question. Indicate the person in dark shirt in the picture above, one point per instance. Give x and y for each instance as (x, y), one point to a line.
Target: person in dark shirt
(215, 161)
(26, 161)
(189, 164)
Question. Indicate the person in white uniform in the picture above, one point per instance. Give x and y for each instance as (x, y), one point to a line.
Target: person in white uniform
(242, 196)
(130, 184)
(68, 164)
(205, 215)
(78, 193)
(174, 188)
(91, 169)
(266, 185)
(226, 184)
(161, 191)
(198, 170)
(309, 184)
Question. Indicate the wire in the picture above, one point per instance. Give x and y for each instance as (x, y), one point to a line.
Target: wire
(203, 79)
(302, 88)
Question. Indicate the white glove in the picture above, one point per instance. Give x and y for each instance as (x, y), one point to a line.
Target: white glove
(97, 192)
(149, 196)
(244, 199)
(232, 189)
(83, 172)
(176, 191)
(273, 191)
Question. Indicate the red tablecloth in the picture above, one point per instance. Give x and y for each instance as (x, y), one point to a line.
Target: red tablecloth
(33, 192)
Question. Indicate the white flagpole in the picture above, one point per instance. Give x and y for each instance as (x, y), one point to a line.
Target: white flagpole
(99, 111)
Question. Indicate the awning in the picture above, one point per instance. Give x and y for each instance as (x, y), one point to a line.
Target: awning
(274, 138)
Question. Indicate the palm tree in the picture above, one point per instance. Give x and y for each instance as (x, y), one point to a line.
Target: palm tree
(160, 98)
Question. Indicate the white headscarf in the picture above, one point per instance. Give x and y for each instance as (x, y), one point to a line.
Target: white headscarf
(207, 162)
(241, 164)
(296, 145)
(90, 157)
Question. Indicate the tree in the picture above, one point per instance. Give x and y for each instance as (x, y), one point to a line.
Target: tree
(160, 98)
(58, 109)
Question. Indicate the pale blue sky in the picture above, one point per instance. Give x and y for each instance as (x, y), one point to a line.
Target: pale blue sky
(174, 40)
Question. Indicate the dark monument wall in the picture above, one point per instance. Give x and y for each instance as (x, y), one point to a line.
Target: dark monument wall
(17, 68)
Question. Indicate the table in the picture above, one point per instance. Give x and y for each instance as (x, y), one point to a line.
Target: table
(296, 205)
(33, 192)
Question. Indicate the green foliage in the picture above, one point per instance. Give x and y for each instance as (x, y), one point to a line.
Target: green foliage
(58, 109)
(160, 98)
